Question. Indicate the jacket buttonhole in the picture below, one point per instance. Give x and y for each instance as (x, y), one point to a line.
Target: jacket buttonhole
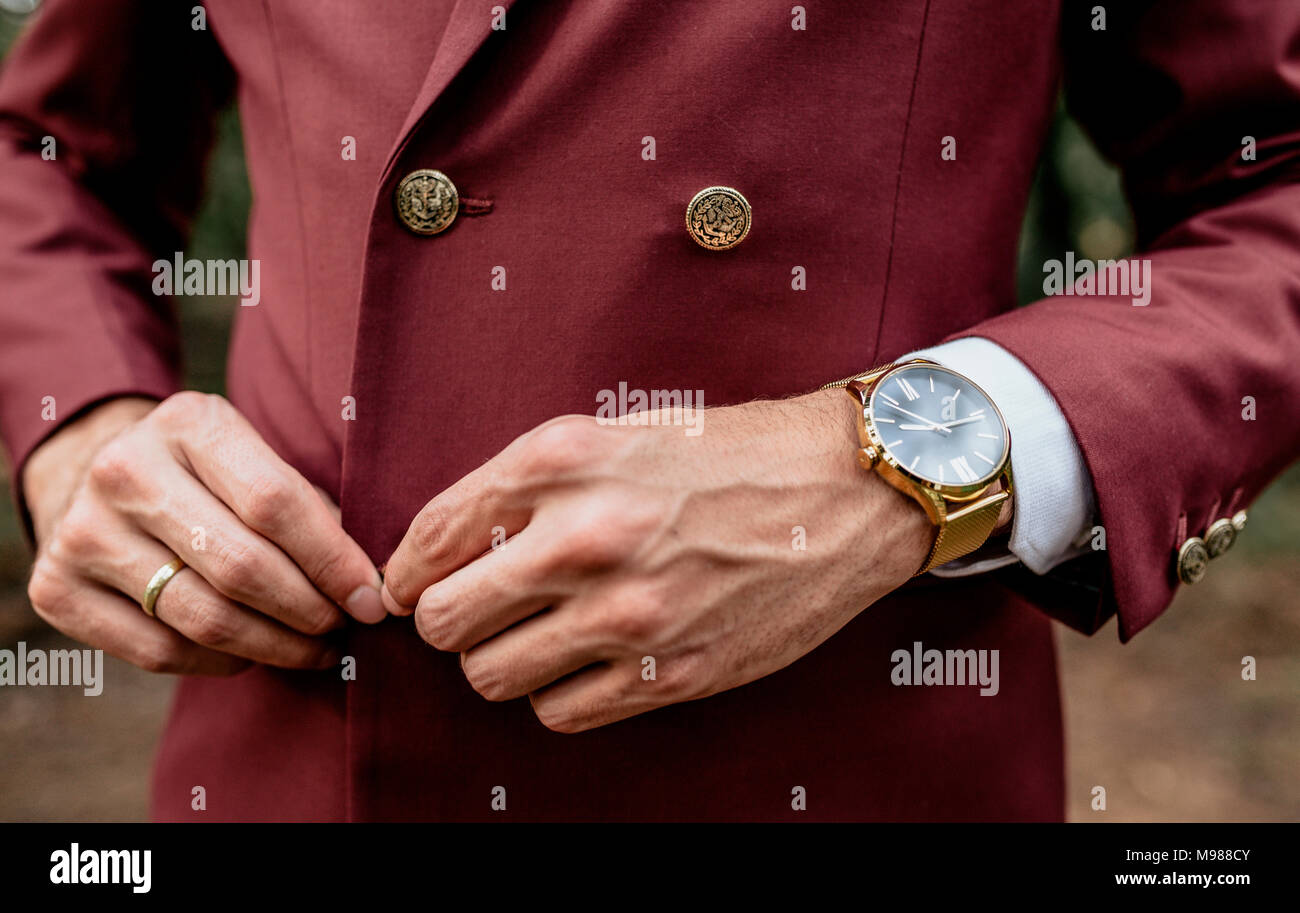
(473, 207)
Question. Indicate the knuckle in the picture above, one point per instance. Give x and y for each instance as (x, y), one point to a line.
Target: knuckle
(160, 659)
(332, 573)
(606, 533)
(638, 617)
(319, 623)
(329, 566)
(266, 502)
(483, 677)
(431, 546)
(431, 539)
(561, 445)
(435, 627)
(557, 718)
(593, 544)
(402, 585)
(186, 408)
(237, 569)
(209, 624)
(76, 537)
(114, 467)
(682, 676)
(46, 590)
(401, 588)
(307, 656)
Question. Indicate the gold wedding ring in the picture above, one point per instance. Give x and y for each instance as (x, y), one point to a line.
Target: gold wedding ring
(157, 582)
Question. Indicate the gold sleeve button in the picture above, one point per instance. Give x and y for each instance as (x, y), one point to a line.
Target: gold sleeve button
(427, 201)
(1193, 559)
(718, 218)
(1219, 537)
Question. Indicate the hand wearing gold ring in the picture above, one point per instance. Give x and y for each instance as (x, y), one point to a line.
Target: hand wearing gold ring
(124, 498)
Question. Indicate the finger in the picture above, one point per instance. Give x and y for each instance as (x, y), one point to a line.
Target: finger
(235, 560)
(192, 607)
(496, 499)
(593, 697)
(453, 529)
(273, 499)
(106, 620)
(506, 585)
(530, 656)
(189, 605)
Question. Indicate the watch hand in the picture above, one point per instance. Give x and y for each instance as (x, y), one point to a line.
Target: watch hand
(960, 421)
(921, 418)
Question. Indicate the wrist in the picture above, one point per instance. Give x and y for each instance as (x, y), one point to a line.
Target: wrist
(895, 523)
(933, 450)
(55, 468)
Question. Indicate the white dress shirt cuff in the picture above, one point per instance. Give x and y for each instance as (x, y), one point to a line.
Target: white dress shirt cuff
(1053, 497)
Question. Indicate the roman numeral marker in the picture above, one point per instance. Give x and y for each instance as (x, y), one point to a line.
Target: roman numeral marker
(907, 388)
(963, 470)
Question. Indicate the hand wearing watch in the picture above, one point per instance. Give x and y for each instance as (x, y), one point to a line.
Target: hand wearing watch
(934, 435)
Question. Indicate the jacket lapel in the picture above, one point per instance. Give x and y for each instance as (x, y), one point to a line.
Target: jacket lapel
(469, 27)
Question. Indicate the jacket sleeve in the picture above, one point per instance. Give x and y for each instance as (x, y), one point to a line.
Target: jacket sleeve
(105, 121)
(1179, 93)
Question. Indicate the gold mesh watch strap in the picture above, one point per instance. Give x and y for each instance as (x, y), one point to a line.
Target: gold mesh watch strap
(866, 377)
(964, 529)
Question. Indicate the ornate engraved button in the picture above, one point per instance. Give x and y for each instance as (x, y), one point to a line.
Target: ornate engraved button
(1219, 537)
(718, 218)
(1193, 559)
(1239, 520)
(427, 201)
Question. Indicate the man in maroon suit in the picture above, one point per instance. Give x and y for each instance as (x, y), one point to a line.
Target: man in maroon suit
(506, 252)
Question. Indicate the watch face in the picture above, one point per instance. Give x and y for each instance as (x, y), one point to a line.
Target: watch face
(939, 426)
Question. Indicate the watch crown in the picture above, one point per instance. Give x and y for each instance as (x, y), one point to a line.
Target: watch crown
(867, 456)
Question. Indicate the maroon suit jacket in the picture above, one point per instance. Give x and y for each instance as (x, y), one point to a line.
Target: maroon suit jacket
(834, 134)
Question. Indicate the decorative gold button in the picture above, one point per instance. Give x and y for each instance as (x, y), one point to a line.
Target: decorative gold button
(1239, 520)
(1193, 559)
(427, 201)
(718, 218)
(1219, 537)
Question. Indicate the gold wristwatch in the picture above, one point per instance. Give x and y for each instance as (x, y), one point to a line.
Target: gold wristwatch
(937, 437)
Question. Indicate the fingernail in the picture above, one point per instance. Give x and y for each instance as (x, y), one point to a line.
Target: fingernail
(365, 605)
(392, 605)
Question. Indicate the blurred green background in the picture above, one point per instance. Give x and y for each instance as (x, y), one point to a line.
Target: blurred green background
(1164, 723)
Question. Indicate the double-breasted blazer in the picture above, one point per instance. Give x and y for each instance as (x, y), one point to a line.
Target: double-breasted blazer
(575, 133)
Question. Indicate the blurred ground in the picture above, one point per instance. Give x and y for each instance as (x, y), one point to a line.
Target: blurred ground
(1164, 723)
